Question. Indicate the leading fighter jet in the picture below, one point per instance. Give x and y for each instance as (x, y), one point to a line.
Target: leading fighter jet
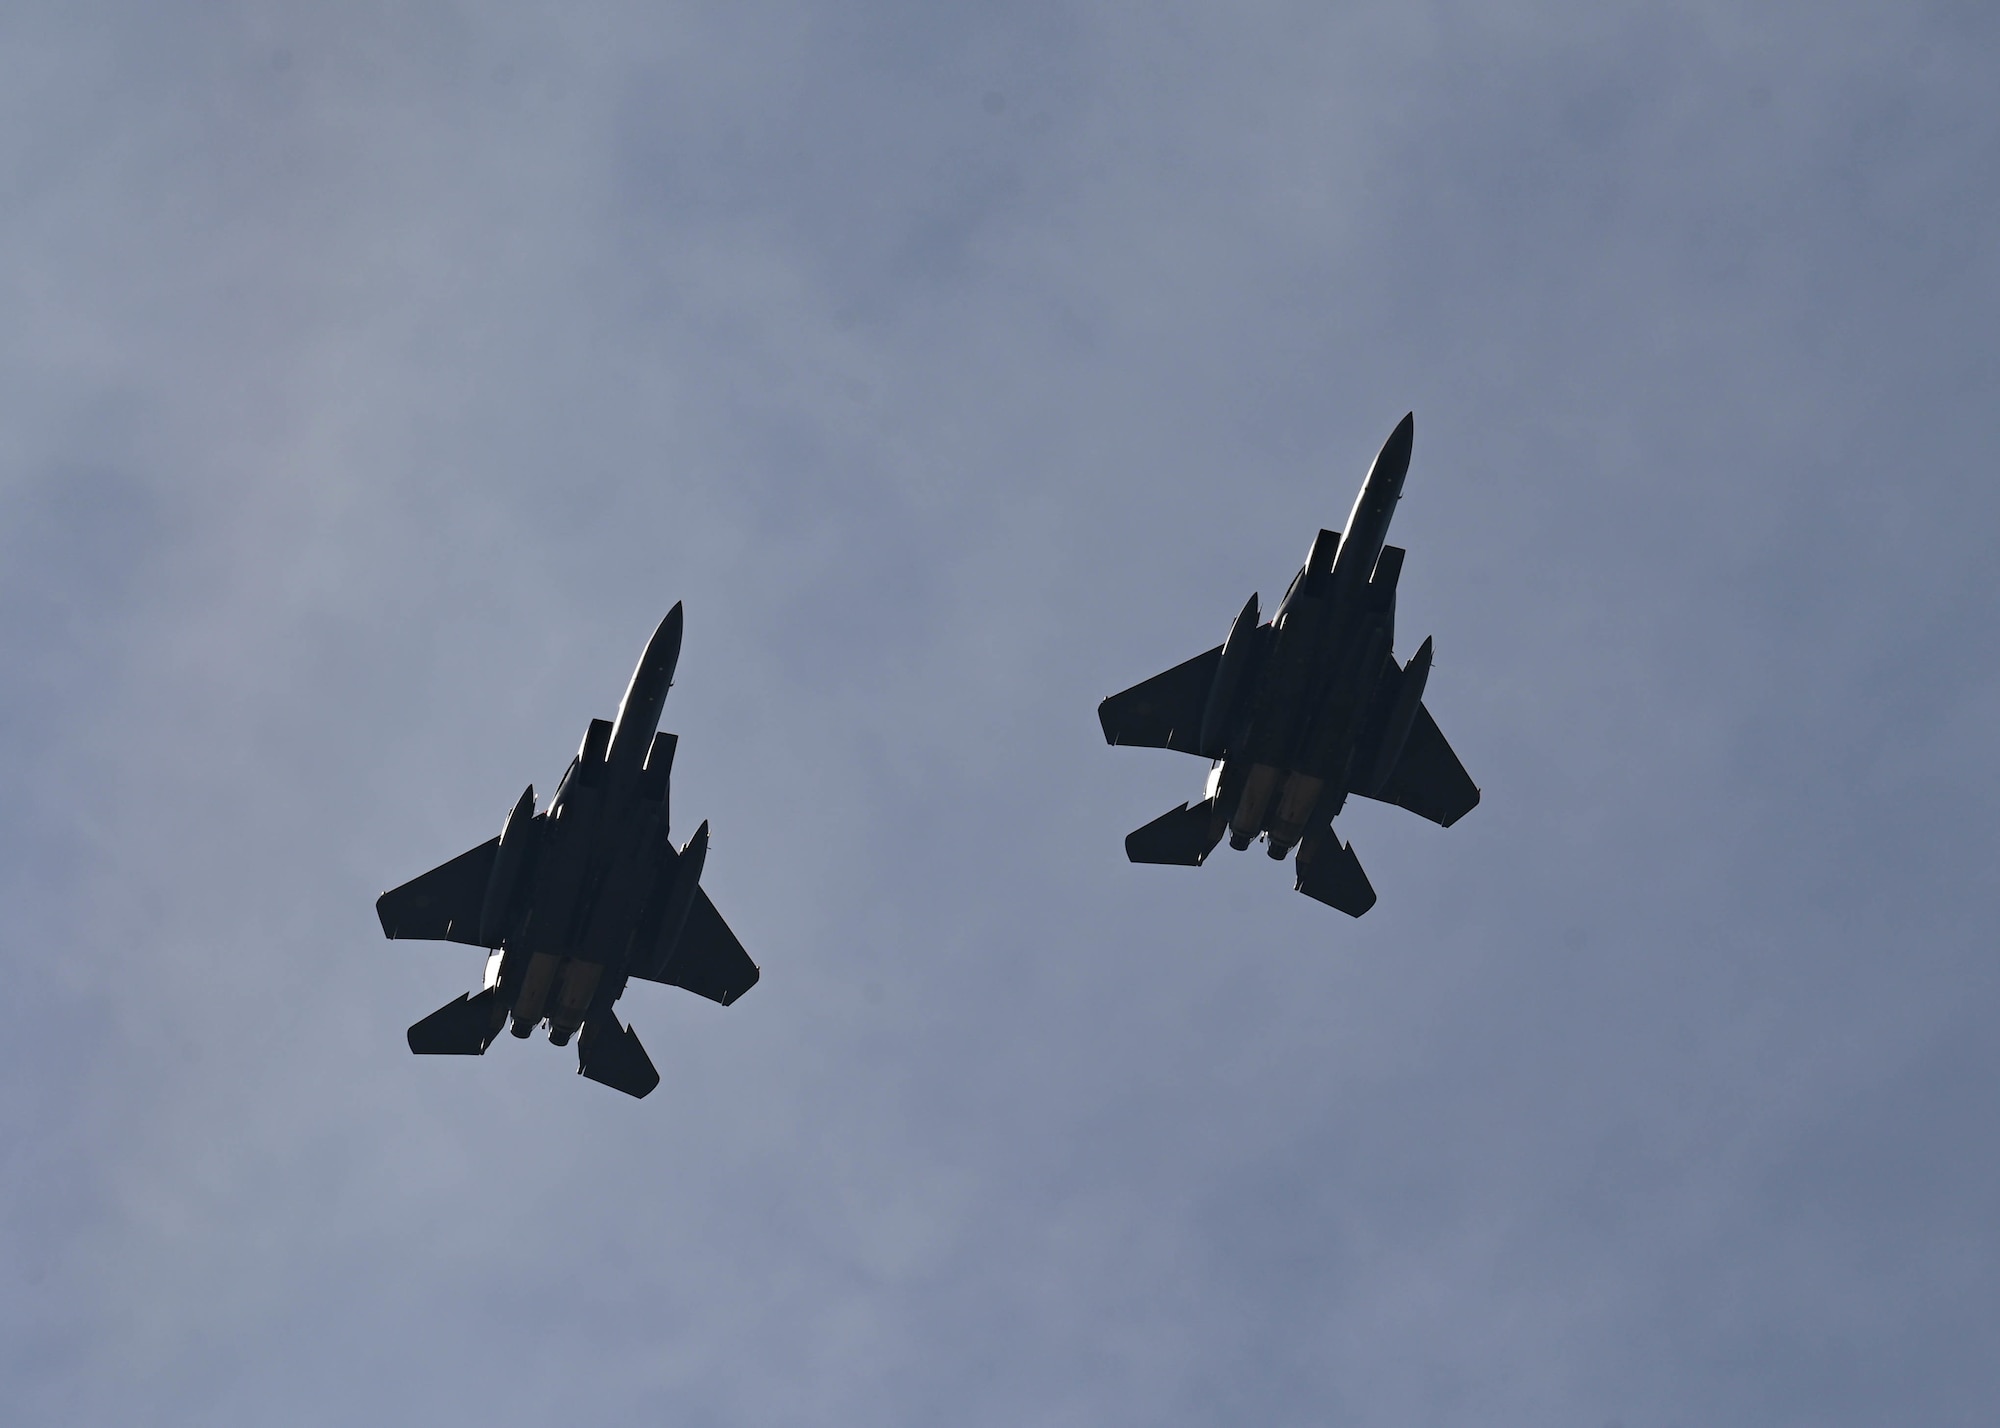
(1299, 713)
(576, 900)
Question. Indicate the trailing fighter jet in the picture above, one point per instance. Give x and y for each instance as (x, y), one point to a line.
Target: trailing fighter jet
(1299, 713)
(576, 900)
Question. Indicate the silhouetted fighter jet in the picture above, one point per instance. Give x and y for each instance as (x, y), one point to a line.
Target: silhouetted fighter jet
(1299, 713)
(578, 899)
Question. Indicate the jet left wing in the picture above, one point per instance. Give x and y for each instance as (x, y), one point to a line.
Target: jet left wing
(1428, 779)
(708, 960)
(1165, 711)
(442, 905)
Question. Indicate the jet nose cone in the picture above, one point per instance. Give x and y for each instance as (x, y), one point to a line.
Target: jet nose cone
(665, 646)
(1395, 454)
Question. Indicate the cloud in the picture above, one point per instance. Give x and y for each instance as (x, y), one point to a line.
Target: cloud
(380, 376)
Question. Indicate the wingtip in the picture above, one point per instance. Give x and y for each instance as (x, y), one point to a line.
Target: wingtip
(1463, 811)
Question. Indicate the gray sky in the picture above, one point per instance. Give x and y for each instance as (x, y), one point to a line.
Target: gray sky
(376, 375)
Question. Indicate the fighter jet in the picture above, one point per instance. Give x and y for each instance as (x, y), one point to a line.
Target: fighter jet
(1297, 714)
(577, 899)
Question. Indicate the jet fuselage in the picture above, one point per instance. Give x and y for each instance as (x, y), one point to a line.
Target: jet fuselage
(1297, 714)
(1285, 760)
(576, 900)
(588, 906)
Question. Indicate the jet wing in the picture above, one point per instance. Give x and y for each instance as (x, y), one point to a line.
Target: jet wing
(1165, 711)
(1428, 779)
(442, 905)
(708, 960)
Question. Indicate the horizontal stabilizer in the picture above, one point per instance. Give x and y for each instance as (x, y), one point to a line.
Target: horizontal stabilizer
(444, 904)
(1183, 837)
(1165, 711)
(611, 1055)
(458, 1028)
(1428, 779)
(1330, 873)
(707, 960)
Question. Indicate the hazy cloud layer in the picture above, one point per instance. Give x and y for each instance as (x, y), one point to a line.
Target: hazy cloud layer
(375, 376)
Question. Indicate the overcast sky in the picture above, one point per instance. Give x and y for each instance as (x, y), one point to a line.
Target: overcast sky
(374, 376)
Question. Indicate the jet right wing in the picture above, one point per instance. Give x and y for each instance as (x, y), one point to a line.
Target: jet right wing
(442, 905)
(1165, 711)
(708, 960)
(1428, 779)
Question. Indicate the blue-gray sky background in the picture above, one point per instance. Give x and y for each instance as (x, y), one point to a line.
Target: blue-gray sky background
(372, 377)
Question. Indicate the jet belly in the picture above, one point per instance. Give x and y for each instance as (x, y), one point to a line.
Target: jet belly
(605, 939)
(1254, 772)
(1288, 678)
(1348, 692)
(1309, 707)
(561, 875)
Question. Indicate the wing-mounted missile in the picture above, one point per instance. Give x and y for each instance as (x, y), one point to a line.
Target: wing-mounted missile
(1238, 653)
(685, 881)
(1402, 715)
(509, 860)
